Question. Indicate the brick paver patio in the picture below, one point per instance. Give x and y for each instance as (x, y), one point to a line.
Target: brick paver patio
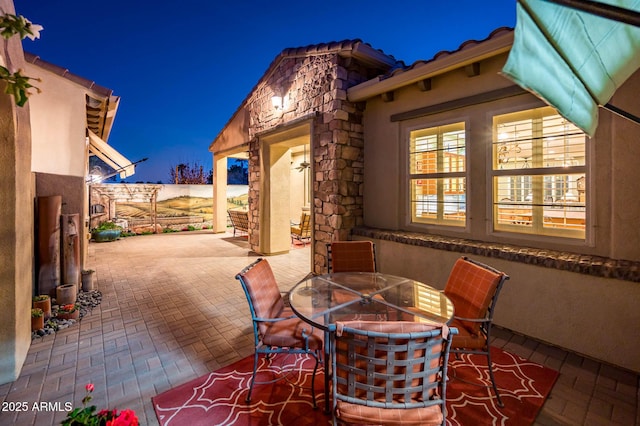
(172, 311)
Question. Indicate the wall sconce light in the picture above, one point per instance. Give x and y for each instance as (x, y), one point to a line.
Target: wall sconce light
(277, 101)
(95, 175)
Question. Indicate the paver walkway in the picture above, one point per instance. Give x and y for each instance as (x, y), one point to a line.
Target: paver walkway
(172, 311)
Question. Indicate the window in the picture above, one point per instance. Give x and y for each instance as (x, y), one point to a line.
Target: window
(437, 174)
(539, 170)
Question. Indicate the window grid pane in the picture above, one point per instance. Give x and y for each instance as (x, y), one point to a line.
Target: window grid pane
(542, 141)
(439, 200)
(541, 203)
(434, 152)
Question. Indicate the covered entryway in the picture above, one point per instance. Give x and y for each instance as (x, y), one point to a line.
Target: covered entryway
(285, 186)
(220, 206)
(304, 138)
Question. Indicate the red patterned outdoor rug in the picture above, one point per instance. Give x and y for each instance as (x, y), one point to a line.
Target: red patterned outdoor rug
(218, 398)
(523, 387)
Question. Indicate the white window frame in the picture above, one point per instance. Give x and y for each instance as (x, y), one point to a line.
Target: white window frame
(537, 223)
(440, 201)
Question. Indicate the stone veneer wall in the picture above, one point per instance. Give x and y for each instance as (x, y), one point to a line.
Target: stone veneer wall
(572, 262)
(315, 88)
(339, 168)
(254, 195)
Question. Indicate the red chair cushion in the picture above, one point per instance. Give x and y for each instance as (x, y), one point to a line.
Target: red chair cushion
(465, 338)
(290, 333)
(360, 414)
(471, 288)
(352, 256)
(264, 292)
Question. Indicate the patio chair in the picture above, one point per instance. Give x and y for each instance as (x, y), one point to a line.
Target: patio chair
(351, 256)
(390, 372)
(474, 287)
(276, 329)
(239, 220)
(302, 231)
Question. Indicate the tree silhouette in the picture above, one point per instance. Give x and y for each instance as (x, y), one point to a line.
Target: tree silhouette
(185, 173)
(237, 173)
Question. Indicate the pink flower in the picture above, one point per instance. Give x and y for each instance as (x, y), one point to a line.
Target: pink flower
(86, 415)
(126, 418)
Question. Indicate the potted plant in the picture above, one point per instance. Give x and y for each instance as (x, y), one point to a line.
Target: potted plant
(106, 231)
(69, 311)
(37, 319)
(88, 280)
(66, 294)
(43, 302)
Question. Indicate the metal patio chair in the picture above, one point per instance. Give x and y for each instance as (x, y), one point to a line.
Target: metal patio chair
(276, 328)
(390, 372)
(474, 287)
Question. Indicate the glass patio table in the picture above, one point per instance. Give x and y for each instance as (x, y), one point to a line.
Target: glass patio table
(322, 300)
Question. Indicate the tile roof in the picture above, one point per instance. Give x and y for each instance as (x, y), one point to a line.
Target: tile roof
(444, 53)
(500, 40)
(390, 66)
(354, 47)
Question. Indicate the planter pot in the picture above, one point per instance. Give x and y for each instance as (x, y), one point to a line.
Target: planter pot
(37, 323)
(88, 281)
(66, 294)
(106, 235)
(45, 305)
(68, 315)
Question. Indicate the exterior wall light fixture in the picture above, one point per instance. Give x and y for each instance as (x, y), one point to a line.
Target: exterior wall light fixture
(277, 100)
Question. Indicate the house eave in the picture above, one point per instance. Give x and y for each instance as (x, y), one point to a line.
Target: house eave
(102, 104)
(368, 55)
(379, 85)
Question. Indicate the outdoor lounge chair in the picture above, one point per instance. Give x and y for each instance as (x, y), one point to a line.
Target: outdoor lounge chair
(390, 372)
(302, 231)
(276, 329)
(474, 287)
(239, 220)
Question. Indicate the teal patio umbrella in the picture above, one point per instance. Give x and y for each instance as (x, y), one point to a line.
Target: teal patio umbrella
(574, 54)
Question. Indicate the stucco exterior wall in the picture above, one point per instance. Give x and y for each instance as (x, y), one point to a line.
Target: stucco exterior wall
(587, 314)
(59, 143)
(71, 188)
(58, 128)
(16, 221)
(623, 174)
(613, 228)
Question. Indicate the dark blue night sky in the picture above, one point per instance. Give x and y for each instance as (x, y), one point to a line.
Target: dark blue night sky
(183, 68)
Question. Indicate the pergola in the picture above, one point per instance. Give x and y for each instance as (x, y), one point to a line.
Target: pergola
(126, 192)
